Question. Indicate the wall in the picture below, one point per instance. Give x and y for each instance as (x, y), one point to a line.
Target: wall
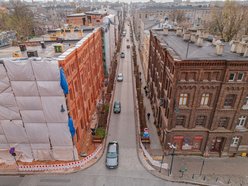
(84, 70)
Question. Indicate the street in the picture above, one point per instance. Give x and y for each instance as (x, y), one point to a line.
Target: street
(122, 128)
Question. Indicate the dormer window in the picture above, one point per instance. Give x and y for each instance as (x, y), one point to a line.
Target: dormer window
(240, 76)
(231, 76)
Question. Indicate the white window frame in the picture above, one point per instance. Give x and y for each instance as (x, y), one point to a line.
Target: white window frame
(205, 99)
(235, 141)
(183, 99)
(233, 76)
(242, 121)
(242, 76)
(245, 106)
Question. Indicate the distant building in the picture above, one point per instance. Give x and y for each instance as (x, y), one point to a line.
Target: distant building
(177, 1)
(93, 18)
(199, 93)
(6, 38)
(39, 110)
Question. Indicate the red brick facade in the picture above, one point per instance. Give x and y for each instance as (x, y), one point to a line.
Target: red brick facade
(198, 105)
(83, 67)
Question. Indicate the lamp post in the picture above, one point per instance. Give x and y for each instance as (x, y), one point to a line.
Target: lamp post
(173, 147)
(203, 162)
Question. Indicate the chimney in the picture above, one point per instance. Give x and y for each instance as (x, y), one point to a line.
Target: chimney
(214, 41)
(199, 32)
(246, 50)
(234, 46)
(42, 43)
(22, 47)
(241, 47)
(80, 33)
(186, 36)
(219, 48)
(199, 41)
(244, 38)
(193, 38)
(166, 31)
(59, 48)
(179, 32)
(184, 30)
(205, 35)
(32, 53)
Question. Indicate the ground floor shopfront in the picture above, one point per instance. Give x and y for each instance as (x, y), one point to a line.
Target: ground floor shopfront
(205, 143)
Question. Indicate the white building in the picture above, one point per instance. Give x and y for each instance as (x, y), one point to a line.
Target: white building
(33, 112)
(110, 38)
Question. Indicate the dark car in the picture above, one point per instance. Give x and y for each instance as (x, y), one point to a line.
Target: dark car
(122, 55)
(112, 156)
(117, 107)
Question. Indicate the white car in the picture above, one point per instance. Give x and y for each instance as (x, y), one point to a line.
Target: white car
(120, 77)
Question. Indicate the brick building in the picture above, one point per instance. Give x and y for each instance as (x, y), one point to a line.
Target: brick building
(93, 18)
(199, 93)
(83, 68)
(35, 114)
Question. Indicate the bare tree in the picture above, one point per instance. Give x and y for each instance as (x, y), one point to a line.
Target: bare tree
(21, 20)
(227, 21)
(177, 16)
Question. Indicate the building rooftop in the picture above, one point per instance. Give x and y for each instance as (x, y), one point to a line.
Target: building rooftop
(76, 15)
(70, 40)
(177, 47)
(149, 24)
(96, 13)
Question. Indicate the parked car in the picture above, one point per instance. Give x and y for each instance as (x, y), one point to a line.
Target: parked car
(122, 55)
(120, 77)
(117, 107)
(128, 46)
(112, 156)
(127, 40)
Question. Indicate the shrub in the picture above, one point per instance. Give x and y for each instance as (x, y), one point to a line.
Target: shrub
(100, 132)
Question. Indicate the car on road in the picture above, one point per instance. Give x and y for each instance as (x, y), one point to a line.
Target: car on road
(127, 40)
(117, 107)
(112, 156)
(120, 77)
(128, 46)
(122, 55)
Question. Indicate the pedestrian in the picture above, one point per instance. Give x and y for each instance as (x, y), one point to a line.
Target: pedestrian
(146, 92)
(145, 87)
(148, 115)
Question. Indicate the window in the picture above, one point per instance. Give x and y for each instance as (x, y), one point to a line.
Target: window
(205, 99)
(180, 120)
(242, 121)
(183, 99)
(231, 76)
(223, 122)
(230, 100)
(206, 76)
(192, 76)
(235, 141)
(183, 76)
(215, 76)
(201, 120)
(245, 106)
(240, 76)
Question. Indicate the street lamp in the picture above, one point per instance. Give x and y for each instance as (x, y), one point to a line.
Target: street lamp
(173, 147)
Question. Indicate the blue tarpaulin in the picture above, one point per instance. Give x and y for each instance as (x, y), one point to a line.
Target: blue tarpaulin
(63, 82)
(71, 126)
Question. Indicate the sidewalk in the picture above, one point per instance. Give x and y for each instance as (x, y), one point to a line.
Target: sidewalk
(155, 145)
(197, 170)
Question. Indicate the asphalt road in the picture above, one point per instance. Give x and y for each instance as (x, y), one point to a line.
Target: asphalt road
(122, 128)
